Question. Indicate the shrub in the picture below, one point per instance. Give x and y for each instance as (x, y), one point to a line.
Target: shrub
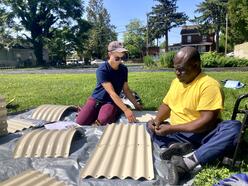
(148, 61)
(241, 62)
(211, 175)
(166, 59)
(212, 59)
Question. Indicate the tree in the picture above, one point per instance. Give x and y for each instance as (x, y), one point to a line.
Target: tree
(5, 36)
(163, 18)
(212, 17)
(102, 31)
(68, 40)
(238, 16)
(41, 17)
(134, 38)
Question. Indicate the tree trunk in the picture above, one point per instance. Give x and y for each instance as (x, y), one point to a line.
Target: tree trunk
(217, 39)
(166, 41)
(38, 52)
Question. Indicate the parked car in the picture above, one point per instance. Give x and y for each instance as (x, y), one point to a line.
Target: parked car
(74, 62)
(81, 62)
(97, 62)
(71, 61)
(231, 54)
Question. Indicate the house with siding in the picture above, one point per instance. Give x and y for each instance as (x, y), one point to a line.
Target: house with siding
(19, 57)
(241, 50)
(191, 36)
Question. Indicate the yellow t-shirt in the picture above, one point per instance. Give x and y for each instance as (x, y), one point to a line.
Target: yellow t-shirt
(186, 100)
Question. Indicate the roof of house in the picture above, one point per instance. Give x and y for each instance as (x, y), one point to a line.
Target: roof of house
(189, 29)
(198, 44)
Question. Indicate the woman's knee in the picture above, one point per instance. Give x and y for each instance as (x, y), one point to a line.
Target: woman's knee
(107, 114)
(88, 113)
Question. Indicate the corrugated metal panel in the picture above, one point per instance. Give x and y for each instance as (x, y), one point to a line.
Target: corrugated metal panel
(3, 117)
(15, 125)
(45, 143)
(123, 151)
(51, 112)
(32, 178)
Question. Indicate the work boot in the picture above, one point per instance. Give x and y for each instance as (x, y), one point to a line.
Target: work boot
(177, 170)
(177, 149)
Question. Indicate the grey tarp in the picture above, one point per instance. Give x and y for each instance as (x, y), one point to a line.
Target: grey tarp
(68, 169)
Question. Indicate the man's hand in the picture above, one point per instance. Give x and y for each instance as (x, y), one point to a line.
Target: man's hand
(163, 130)
(130, 116)
(153, 124)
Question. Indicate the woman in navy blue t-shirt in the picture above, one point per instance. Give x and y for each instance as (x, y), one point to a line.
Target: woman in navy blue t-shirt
(104, 105)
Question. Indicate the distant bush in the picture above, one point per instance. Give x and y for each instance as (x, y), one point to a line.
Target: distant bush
(148, 61)
(213, 59)
(209, 59)
(166, 59)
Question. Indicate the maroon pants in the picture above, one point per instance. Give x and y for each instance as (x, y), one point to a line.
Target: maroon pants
(94, 110)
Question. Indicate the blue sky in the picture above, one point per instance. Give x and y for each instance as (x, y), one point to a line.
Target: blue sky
(122, 11)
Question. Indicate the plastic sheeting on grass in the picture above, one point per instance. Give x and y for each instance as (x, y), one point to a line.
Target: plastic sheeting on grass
(68, 169)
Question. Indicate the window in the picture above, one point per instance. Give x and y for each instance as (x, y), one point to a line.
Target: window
(204, 38)
(203, 49)
(189, 38)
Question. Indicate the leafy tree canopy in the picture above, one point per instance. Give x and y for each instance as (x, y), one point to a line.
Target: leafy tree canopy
(134, 38)
(163, 18)
(40, 18)
(102, 31)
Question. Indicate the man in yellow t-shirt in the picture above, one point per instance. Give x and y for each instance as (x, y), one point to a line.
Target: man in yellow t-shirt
(193, 104)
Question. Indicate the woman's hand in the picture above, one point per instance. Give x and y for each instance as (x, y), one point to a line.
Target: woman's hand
(130, 116)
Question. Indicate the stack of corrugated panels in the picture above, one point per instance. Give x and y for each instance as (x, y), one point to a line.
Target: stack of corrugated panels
(3, 117)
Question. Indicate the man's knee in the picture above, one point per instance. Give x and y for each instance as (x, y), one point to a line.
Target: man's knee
(231, 125)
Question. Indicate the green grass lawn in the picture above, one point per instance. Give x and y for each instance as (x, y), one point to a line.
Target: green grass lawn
(32, 90)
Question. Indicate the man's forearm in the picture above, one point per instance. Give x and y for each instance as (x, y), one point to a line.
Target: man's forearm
(163, 113)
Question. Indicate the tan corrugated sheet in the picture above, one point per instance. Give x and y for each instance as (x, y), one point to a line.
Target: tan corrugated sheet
(15, 125)
(3, 117)
(45, 143)
(50, 112)
(32, 178)
(123, 151)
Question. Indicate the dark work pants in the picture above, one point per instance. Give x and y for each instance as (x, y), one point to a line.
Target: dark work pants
(209, 146)
(94, 110)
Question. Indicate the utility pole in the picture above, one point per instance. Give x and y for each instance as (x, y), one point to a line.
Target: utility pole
(225, 3)
(226, 33)
(147, 33)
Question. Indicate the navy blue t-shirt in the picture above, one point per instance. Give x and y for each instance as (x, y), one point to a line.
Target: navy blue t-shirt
(105, 73)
